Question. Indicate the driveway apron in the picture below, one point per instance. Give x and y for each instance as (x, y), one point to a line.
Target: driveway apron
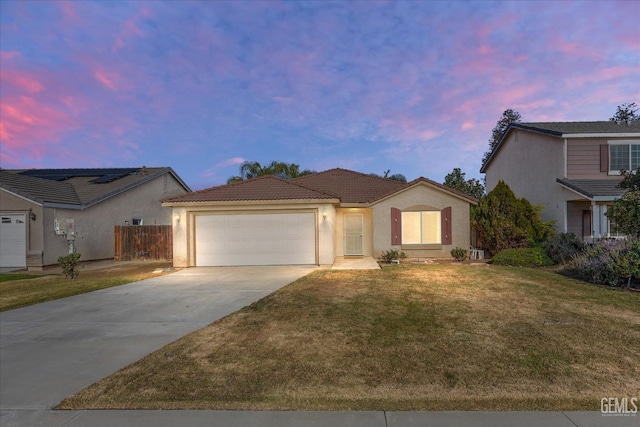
(51, 350)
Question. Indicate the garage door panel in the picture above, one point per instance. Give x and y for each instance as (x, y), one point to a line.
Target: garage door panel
(13, 241)
(255, 239)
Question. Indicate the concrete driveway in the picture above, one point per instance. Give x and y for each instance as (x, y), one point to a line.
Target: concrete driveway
(51, 350)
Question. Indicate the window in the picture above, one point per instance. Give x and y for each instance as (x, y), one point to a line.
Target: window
(421, 228)
(137, 221)
(623, 157)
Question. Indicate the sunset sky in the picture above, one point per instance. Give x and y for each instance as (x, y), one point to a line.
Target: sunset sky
(414, 87)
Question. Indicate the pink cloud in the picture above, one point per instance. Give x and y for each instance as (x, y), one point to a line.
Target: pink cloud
(232, 161)
(21, 80)
(106, 78)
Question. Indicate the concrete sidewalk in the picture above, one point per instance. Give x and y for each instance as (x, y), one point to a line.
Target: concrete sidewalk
(311, 418)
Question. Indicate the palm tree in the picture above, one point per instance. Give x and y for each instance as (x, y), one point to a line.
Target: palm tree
(250, 169)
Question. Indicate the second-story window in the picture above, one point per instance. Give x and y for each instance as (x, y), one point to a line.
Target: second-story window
(624, 157)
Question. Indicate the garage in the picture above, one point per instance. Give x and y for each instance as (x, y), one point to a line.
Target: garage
(13, 241)
(255, 239)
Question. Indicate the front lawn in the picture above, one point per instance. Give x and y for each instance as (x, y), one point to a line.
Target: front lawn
(407, 337)
(19, 290)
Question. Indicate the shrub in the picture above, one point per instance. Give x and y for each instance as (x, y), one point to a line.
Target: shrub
(391, 255)
(459, 254)
(608, 262)
(504, 221)
(69, 265)
(522, 257)
(563, 247)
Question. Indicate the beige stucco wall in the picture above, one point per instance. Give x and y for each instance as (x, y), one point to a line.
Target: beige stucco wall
(10, 203)
(530, 163)
(184, 230)
(95, 225)
(367, 230)
(421, 195)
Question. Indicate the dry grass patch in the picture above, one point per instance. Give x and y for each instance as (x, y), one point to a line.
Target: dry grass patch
(437, 337)
(19, 290)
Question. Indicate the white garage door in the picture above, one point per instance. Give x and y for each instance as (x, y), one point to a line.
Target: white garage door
(255, 239)
(13, 241)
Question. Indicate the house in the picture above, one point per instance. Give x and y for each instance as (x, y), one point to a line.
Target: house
(315, 218)
(38, 206)
(571, 168)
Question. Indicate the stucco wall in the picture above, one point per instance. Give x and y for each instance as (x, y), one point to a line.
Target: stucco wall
(424, 195)
(95, 225)
(530, 164)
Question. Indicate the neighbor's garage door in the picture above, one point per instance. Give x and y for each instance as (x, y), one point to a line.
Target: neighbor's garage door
(13, 241)
(255, 239)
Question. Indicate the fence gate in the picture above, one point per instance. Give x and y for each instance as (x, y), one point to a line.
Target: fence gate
(143, 242)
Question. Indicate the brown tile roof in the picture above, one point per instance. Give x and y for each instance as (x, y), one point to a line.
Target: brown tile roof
(350, 186)
(342, 185)
(267, 187)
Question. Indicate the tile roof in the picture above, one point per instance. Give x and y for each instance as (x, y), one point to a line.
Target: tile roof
(350, 186)
(39, 190)
(266, 187)
(79, 187)
(342, 185)
(574, 128)
(594, 188)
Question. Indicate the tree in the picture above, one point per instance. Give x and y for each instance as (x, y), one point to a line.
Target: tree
(250, 169)
(456, 180)
(508, 116)
(396, 176)
(625, 212)
(626, 112)
(504, 221)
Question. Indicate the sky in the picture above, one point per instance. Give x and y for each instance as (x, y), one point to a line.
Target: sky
(413, 87)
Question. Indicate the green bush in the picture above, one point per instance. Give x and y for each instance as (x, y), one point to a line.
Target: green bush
(522, 257)
(563, 247)
(69, 265)
(608, 262)
(459, 254)
(391, 255)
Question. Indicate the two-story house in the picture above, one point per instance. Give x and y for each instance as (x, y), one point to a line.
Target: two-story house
(571, 168)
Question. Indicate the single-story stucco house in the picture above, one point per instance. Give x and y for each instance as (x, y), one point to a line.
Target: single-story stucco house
(315, 218)
(38, 206)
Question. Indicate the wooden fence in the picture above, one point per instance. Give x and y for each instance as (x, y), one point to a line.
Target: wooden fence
(143, 242)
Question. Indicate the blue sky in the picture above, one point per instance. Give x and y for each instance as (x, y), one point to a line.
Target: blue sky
(414, 87)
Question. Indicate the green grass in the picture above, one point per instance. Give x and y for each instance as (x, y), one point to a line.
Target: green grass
(20, 290)
(407, 337)
(7, 277)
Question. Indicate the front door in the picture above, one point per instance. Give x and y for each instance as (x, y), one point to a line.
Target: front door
(586, 225)
(353, 234)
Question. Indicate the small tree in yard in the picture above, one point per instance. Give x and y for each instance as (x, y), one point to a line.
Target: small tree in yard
(504, 221)
(69, 265)
(625, 212)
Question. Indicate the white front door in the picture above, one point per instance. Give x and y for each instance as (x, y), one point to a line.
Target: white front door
(13, 241)
(353, 234)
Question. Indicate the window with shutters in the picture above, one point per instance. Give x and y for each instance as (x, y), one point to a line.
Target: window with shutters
(422, 227)
(623, 156)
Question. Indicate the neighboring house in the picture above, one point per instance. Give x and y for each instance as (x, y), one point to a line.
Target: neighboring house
(571, 168)
(315, 218)
(90, 202)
